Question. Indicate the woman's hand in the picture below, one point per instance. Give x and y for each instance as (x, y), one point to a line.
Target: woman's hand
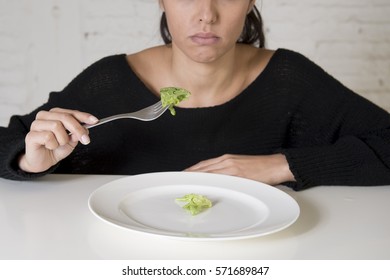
(53, 136)
(269, 169)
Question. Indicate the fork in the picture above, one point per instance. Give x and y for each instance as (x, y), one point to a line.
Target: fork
(146, 114)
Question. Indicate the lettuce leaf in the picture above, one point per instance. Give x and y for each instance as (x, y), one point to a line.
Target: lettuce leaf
(171, 96)
(196, 203)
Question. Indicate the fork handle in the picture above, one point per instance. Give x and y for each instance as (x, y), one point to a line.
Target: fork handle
(106, 120)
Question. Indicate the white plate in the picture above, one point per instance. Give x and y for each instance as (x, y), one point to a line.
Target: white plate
(241, 208)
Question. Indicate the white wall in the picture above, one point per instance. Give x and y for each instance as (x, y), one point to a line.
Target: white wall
(45, 43)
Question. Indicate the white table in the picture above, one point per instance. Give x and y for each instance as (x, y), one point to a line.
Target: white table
(49, 219)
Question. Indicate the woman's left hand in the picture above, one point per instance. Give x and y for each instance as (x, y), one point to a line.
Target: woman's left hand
(269, 169)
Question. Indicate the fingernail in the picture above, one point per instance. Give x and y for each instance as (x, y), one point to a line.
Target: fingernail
(85, 140)
(93, 119)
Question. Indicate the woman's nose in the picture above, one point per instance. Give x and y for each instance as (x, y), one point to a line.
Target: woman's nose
(207, 11)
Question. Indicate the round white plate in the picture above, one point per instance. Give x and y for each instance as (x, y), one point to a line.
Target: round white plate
(241, 208)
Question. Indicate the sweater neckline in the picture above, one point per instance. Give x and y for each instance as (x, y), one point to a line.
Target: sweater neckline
(147, 93)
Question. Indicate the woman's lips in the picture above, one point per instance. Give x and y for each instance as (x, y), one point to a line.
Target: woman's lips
(204, 38)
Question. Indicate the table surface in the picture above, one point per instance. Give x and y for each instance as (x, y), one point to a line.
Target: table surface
(49, 218)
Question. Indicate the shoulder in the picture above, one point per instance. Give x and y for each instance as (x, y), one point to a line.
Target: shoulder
(109, 62)
(256, 55)
(293, 61)
(106, 71)
(295, 67)
(280, 64)
(257, 60)
(289, 54)
(106, 66)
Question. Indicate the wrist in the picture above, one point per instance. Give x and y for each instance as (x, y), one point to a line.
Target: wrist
(22, 163)
(25, 166)
(284, 170)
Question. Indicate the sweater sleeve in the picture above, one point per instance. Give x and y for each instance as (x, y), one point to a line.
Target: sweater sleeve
(11, 148)
(78, 94)
(336, 137)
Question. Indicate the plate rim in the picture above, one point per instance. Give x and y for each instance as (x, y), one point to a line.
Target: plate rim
(183, 175)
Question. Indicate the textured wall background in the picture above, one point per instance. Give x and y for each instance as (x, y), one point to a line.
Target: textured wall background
(45, 43)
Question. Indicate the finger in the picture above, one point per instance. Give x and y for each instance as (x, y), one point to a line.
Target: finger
(56, 127)
(217, 168)
(80, 116)
(223, 170)
(71, 122)
(42, 151)
(36, 139)
(80, 133)
(208, 164)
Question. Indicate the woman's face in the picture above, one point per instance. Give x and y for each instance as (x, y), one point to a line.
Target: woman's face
(205, 30)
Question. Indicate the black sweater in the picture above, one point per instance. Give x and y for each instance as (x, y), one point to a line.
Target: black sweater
(330, 135)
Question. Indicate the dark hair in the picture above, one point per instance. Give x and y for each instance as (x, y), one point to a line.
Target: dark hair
(252, 34)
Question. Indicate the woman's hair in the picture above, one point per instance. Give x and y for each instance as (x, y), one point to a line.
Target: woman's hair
(252, 34)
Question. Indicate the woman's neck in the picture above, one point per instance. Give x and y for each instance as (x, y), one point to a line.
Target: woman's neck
(210, 83)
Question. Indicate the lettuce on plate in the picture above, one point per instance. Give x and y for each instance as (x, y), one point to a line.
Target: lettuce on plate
(195, 203)
(171, 96)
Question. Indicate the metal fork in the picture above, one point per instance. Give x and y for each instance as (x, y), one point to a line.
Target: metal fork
(146, 114)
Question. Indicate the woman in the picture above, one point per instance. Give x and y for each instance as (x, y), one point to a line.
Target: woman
(271, 116)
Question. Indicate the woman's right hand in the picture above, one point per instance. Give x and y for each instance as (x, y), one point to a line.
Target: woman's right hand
(53, 136)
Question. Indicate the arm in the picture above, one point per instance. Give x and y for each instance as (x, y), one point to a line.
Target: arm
(29, 146)
(336, 137)
(353, 149)
(31, 153)
(11, 147)
(48, 141)
(333, 136)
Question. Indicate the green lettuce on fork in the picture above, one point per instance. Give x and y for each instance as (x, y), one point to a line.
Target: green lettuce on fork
(195, 203)
(171, 96)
